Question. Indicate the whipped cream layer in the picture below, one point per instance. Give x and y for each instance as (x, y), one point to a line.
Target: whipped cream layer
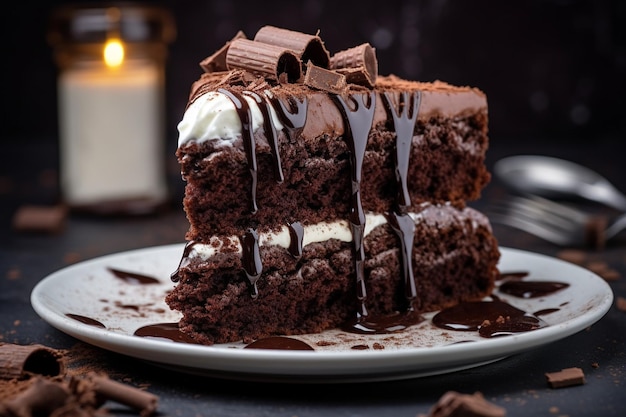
(213, 116)
(433, 215)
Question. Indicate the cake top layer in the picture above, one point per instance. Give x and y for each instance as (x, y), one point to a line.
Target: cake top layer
(291, 66)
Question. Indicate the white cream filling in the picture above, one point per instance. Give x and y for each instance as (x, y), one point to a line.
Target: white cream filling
(319, 232)
(213, 116)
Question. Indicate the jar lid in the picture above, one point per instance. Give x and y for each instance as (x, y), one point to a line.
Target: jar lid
(97, 22)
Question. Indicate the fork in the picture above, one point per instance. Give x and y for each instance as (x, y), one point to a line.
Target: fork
(555, 222)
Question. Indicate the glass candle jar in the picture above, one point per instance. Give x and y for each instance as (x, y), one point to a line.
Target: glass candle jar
(111, 61)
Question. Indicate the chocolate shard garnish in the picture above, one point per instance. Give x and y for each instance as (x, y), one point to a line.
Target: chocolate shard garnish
(217, 61)
(454, 404)
(306, 47)
(18, 361)
(566, 377)
(323, 79)
(264, 59)
(358, 64)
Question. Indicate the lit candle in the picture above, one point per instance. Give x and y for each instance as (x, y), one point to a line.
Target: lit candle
(111, 126)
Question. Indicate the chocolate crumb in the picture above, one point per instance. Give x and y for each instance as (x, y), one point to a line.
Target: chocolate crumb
(575, 256)
(566, 377)
(48, 219)
(454, 404)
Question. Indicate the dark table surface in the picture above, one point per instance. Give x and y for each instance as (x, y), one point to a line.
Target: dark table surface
(516, 383)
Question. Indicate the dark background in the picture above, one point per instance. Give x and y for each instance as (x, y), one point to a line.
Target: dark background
(553, 70)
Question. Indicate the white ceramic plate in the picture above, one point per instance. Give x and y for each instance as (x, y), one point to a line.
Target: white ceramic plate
(90, 290)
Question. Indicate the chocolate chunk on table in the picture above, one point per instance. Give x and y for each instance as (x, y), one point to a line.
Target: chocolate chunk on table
(566, 378)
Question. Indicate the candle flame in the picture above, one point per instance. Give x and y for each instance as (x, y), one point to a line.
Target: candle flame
(113, 53)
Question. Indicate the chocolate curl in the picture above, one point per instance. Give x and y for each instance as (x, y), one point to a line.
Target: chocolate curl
(217, 61)
(135, 398)
(453, 403)
(270, 61)
(358, 64)
(41, 398)
(323, 79)
(306, 47)
(16, 361)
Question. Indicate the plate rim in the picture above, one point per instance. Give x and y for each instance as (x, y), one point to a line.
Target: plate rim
(298, 364)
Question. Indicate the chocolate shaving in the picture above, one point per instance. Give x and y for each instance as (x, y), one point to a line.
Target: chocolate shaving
(323, 79)
(264, 59)
(566, 378)
(135, 398)
(306, 47)
(454, 404)
(217, 61)
(20, 361)
(358, 64)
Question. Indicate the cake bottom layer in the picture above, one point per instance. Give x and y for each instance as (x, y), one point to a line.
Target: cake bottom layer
(454, 259)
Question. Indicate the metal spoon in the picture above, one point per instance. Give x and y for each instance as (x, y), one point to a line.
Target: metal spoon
(557, 178)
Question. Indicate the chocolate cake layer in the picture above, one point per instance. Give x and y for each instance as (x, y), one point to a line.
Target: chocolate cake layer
(454, 259)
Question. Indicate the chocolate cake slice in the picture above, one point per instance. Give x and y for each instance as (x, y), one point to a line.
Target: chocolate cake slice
(321, 194)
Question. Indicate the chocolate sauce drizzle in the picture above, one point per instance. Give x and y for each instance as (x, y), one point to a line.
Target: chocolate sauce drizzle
(133, 277)
(404, 119)
(531, 289)
(490, 318)
(293, 116)
(251, 259)
(169, 331)
(86, 320)
(184, 261)
(358, 116)
(270, 133)
(245, 116)
(296, 236)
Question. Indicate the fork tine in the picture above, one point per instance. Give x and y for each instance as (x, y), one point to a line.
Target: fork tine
(547, 213)
(551, 221)
(561, 210)
(531, 226)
